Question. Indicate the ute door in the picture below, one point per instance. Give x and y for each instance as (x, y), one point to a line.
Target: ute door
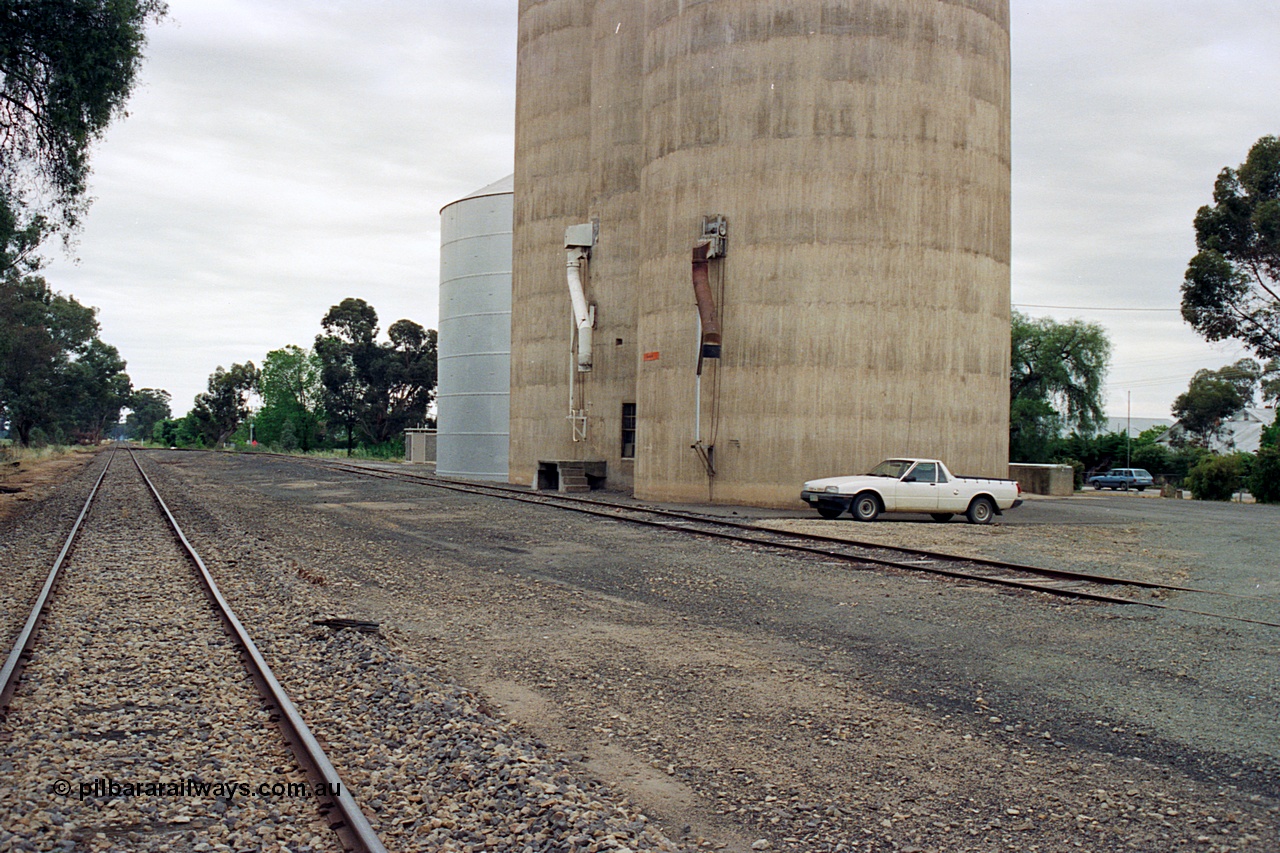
(918, 490)
(951, 498)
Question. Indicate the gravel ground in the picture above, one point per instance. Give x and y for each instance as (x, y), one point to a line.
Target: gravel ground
(33, 525)
(743, 700)
(432, 767)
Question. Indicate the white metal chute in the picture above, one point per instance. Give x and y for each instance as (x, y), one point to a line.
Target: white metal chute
(583, 314)
(578, 240)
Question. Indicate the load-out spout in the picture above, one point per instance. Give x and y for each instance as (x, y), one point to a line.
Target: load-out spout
(706, 303)
(583, 314)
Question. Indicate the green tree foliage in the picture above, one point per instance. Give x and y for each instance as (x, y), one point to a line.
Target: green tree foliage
(1231, 287)
(1246, 375)
(95, 389)
(1264, 480)
(1269, 383)
(371, 388)
(1094, 452)
(1091, 454)
(56, 375)
(147, 407)
(1217, 478)
(405, 379)
(346, 352)
(219, 411)
(1271, 433)
(292, 393)
(1055, 382)
(177, 432)
(66, 70)
(1215, 395)
(288, 439)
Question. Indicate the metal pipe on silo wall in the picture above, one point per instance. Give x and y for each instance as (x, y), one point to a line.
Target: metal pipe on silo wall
(710, 321)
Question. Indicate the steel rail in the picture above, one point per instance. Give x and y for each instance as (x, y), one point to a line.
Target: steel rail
(351, 826)
(21, 652)
(776, 539)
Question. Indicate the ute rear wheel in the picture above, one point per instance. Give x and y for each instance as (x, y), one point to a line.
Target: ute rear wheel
(866, 507)
(941, 516)
(830, 510)
(981, 511)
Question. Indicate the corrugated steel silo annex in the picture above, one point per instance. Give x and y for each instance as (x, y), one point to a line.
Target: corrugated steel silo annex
(833, 179)
(473, 412)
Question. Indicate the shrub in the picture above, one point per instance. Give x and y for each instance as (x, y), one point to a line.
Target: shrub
(1182, 460)
(1077, 472)
(1216, 478)
(1156, 458)
(1271, 434)
(1264, 481)
(288, 437)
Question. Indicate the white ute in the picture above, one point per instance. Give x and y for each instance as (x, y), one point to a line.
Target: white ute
(912, 485)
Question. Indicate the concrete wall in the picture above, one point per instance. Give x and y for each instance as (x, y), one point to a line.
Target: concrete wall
(1056, 480)
(860, 152)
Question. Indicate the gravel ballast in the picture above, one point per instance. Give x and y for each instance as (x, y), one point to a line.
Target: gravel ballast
(135, 723)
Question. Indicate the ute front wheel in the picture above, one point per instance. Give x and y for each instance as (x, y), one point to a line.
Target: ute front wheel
(981, 511)
(866, 507)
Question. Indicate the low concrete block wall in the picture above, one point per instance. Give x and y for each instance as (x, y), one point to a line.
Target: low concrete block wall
(1044, 479)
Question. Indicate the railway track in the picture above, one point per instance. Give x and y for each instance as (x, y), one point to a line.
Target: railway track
(1051, 581)
(126, 698)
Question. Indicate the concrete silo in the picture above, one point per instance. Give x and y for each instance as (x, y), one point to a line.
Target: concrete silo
(856, 158)
(473, 401)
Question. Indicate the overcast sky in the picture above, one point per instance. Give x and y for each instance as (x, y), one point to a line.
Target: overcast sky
(280, 156)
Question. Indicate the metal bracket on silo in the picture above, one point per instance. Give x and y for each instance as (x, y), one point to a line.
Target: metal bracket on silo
(580, 236)
(715, 231)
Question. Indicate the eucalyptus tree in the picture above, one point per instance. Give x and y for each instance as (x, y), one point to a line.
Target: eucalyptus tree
(376, 389)
(147, 407)
(1231, 289)
(66, 70)
(219, 411)
(44, 337)
(1056, 372)
(292, 398)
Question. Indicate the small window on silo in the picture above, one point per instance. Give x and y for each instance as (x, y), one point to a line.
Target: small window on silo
(628, 430)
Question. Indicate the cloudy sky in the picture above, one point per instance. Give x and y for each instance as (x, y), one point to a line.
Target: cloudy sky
(281, 155)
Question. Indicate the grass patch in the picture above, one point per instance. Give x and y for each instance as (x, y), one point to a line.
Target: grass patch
(14, 454)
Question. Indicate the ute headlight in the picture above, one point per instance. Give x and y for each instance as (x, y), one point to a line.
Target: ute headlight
(832, 490)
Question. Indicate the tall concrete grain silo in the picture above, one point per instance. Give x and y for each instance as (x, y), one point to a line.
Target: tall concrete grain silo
(473, 400)
(831, 179)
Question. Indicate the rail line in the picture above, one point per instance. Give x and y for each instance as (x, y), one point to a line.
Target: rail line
(1059, 582)
(342, 814)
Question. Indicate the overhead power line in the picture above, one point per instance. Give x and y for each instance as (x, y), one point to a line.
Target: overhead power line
(1088, 307)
